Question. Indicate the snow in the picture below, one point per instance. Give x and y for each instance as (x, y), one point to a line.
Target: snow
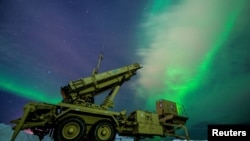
(6, 133)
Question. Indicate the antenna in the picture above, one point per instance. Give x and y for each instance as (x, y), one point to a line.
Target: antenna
(98, 64)
(95, 70)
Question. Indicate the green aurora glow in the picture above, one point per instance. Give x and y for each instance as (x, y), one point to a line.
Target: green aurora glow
(192, 82)
(23, 89)
(180, 90)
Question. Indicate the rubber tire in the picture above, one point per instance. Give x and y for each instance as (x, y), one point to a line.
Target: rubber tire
(101, 124)
(58, 135)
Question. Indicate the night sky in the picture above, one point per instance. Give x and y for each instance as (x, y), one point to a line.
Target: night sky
(194, 52)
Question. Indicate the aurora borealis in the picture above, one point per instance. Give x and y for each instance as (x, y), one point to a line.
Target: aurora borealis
(194, 55)
(190, 54)
(194, 52)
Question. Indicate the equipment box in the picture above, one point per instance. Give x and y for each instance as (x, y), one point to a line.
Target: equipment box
(146, 123)
(144, 117)
(165, 107)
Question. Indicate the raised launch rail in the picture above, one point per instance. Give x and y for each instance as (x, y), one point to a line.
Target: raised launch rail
(85, 89)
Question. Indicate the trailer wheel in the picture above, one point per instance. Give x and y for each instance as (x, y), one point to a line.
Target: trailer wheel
(103, 131)
(70, 129)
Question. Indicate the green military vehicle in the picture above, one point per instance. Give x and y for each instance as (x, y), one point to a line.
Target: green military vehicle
(78, 118)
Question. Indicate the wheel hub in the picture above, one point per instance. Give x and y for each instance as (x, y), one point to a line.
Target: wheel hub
(104, 132)
(71, 130)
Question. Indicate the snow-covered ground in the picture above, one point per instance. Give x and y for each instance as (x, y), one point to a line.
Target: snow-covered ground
(6, 133)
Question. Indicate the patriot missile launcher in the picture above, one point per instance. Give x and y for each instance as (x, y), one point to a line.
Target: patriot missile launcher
(78, 118)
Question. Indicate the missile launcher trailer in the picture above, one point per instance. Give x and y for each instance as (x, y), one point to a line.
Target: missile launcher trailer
(78, 118)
